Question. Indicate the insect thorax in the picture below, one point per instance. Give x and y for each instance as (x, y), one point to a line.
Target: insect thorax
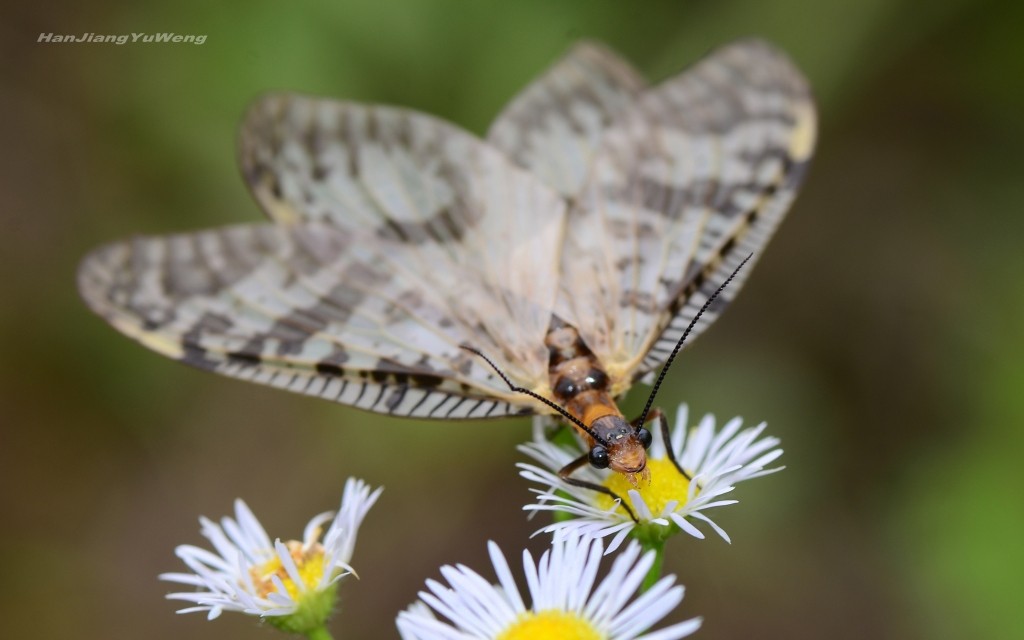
(578, 380)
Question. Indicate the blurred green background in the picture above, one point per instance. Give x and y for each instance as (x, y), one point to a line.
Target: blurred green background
(881, 336)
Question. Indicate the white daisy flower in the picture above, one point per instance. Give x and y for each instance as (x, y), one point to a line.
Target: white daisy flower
(716, 462)
(564, 603)
(292, 584)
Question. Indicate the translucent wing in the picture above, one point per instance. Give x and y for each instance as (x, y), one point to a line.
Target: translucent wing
(554, 125)
(690, 179)
(384, 262)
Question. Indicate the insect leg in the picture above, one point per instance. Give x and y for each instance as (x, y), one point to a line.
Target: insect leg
(657, 414)
(565, 472)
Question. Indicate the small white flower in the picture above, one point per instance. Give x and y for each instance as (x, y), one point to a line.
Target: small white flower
(716, 462)
(564, 602)
(251, 574)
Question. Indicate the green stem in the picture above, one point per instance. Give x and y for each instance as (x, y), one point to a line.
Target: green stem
(320, 633)
(659, 559)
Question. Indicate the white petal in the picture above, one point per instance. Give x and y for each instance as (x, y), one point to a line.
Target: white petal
(676, 631)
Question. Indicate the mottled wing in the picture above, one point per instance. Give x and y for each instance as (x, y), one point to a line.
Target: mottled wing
(693, 177)
(554, 125)
(389, 264)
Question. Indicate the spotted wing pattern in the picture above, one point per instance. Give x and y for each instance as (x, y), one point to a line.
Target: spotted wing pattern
(687, 181)
(554, 125)
(382, 263)
(397, 237)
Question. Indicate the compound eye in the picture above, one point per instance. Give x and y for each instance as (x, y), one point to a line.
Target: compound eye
(599, 457)
(645, 437)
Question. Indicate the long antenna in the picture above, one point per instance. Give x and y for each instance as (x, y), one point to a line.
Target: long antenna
(679, 345)
(565, 414)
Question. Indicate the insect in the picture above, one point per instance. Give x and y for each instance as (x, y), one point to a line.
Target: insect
(413, 269)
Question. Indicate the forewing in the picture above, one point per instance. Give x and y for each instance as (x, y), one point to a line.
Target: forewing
(554, 125)
(693, 177)
(366, 293)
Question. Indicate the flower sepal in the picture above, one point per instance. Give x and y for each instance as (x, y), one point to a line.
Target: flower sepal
(652, 535)
(313, 610)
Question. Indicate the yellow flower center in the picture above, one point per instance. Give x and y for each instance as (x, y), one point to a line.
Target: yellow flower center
(666, 484)
(550, 625)
(310, 563)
